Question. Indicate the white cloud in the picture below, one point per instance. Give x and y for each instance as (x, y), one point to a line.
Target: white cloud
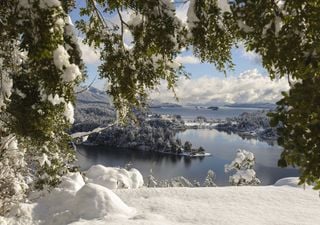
(89, 55)
(181, 11)
(248, 87)
(250, 55)
(187, 60)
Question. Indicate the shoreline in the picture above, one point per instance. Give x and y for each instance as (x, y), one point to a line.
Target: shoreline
(185, 154)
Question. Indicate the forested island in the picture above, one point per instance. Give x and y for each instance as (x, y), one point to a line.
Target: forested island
(153, 134)
(256, 125)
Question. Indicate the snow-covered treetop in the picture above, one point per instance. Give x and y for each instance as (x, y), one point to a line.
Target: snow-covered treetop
(243, 165)
(244, 160)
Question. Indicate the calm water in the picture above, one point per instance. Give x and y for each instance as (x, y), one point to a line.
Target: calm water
(221, 145)
(188, 113)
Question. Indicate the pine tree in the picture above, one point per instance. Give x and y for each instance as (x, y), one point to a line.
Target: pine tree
(187, 146)
(209, 181)
(243, 165)
(152, 182)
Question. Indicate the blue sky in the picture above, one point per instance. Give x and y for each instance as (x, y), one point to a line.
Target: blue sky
(243, 61)
(207, 84)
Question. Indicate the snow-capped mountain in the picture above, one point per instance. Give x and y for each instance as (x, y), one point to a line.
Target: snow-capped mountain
(93, 108)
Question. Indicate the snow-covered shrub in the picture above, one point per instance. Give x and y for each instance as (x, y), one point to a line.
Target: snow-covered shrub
(209, 181)
(173, 182)
(12, 173)
(180, 182)
(114, 178)
(196, 183)
(243, 165)
(151, 181)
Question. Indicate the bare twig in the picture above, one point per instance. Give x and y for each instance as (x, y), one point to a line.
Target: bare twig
(98, 13)
(85, 89)
(289, 80)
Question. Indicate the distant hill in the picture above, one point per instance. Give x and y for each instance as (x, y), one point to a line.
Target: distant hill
(93, 109)
(253, 105)
(165, 104)
(93, 95)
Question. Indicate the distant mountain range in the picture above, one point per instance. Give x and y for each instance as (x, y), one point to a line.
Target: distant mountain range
(92, 95)
(253, 105)
(154, 104)
(166, 104)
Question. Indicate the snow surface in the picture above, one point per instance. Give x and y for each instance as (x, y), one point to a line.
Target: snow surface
(82, 134)
(78, 202)
(224, 205)
(200, 124)
(292, 182)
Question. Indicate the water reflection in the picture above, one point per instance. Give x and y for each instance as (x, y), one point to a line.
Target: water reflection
(221, 145)
(253, 140)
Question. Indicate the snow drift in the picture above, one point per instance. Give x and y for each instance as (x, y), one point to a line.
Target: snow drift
(89, 202)
(74, 199)
(292, 182)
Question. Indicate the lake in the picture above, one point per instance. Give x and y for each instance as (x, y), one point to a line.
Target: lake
(221, 145)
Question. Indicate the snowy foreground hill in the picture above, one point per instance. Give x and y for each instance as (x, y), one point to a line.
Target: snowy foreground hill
(79, 201)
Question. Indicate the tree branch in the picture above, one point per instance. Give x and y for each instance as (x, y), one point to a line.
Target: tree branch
(85, 89)
(122, 23)
(99, 14)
